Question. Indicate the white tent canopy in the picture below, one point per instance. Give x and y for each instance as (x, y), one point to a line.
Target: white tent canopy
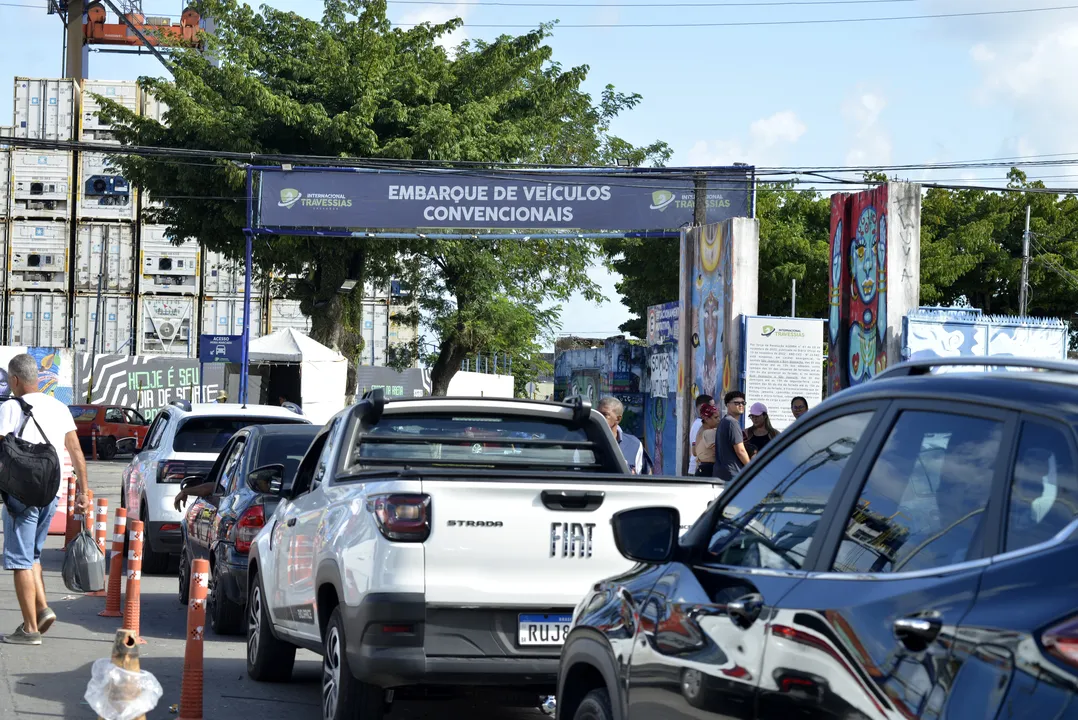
(323, 372)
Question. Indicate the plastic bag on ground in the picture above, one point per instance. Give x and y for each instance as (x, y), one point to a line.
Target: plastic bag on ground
(84, 564)
(118, 694)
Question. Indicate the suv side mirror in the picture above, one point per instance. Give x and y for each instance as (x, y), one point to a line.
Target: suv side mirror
(128, 445)
(647, 535)
(267, 479)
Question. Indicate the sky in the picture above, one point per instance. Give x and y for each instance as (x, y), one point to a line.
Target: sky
(722, 87)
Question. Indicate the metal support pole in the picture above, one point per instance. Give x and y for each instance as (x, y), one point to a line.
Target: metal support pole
(248, 234)
(1023, 295)
(97, 306)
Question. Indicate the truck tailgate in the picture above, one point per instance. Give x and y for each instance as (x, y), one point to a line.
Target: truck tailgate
(534, 542)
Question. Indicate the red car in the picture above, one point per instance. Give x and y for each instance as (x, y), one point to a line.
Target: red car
(113, 423)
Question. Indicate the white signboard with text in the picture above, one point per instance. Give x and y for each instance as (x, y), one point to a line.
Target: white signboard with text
(784, 358)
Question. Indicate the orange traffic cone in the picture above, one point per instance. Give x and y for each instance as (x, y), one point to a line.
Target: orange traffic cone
(89, 516)
(132, 598)
(116, 563)
(191, 687)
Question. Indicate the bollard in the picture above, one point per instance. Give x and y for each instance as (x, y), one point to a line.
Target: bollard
(125, 656)
(100, 529)
(116, 563)
(89, 517)
(132, 599)
(191, 687)
(93, 443)
(72, 526)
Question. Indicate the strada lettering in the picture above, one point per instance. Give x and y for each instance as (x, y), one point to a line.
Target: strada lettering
(474, 523)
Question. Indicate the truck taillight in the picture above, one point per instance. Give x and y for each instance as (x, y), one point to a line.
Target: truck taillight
(404, 517)
(247, 526)
(1062, 641)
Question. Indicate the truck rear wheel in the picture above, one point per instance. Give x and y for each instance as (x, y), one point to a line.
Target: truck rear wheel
(344, 697)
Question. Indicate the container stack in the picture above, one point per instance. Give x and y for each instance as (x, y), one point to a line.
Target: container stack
(223, 290)
(168, 295)
(286, 313)
(40, 214)
(106, 208)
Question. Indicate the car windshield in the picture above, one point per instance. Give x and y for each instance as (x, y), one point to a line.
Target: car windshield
(210, 434)
(286, 449)
(474, 440)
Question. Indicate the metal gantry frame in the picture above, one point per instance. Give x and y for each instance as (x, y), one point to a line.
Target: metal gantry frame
(253, 228)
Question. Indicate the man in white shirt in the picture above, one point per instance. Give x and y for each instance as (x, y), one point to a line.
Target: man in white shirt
(26, 528)
(697, 424)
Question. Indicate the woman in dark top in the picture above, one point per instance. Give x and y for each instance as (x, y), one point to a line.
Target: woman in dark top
(761, 431)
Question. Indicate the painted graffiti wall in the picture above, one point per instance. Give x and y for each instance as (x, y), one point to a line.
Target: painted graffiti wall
(660, 399)
(874, 281)
(930, 333)
(145, 382)
(54, 370)
(615, 367)
(720, 267)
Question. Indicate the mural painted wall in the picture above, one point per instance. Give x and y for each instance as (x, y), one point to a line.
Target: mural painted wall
(874, 279)
(660, 399)
(145, 382)
(929, 333)
(53, 368)
(615, 367)
(719, 283)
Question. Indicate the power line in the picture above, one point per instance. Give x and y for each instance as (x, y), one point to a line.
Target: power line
(762, 23)
(655, 5)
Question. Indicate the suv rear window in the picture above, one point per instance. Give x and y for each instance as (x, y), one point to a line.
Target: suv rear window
(211, 434)
(474, 440)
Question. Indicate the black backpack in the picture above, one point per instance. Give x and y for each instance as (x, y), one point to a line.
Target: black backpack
(29, 472)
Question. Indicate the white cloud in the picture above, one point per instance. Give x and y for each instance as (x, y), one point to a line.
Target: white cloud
(767, 138)
(870, 141)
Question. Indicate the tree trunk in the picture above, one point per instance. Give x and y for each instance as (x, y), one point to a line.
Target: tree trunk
(337, 318)
(445, 367)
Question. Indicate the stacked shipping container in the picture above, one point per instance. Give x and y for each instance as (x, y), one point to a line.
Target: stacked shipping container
(80, 265)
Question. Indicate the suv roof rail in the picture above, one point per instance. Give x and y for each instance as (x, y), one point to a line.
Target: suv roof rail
(374, 402)
(581, 408)
(182, 403)
(923, 366)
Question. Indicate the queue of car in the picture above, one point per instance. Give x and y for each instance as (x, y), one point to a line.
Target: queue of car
(906, 550)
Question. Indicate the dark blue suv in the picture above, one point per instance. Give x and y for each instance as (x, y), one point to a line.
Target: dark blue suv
(908, 549)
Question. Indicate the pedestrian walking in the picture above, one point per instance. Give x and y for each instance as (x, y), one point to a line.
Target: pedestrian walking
(762, 431)
(799, 406)
(704, 447)
(697, 424)
(612, 409)
(26, 528)
(730, 453)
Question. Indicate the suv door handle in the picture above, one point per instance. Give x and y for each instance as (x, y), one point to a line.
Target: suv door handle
(744, 611)
(291, 522)
(917, 633)
(572, 500)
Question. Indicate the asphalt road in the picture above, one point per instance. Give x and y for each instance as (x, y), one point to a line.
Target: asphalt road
(49, 681)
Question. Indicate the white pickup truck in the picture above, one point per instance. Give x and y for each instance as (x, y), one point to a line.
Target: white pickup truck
(441, 544)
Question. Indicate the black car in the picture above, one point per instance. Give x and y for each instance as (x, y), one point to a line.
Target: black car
(231, 504)
(908, 549)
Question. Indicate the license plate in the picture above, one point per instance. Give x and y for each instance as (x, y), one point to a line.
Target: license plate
(543, 629)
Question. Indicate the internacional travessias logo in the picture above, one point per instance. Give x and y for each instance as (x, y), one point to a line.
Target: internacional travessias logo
(290, 197)
(662, 199)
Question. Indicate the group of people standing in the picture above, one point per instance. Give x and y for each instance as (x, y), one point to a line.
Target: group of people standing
(720, 448)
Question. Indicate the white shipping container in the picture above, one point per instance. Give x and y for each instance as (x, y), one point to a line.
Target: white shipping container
(45, 109)
(165, 326)
(286, 314)
(166, 268)
(114, 241)
(5, 181)
(224, 316)
(37, 319)
(41, 184)
(37, 255)
(113, 326)
(6, 131)
(125, 92)
(221, 276)
(153, 108)
(103, 192)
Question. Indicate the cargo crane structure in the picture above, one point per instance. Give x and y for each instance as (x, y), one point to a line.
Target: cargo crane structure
(130, 31)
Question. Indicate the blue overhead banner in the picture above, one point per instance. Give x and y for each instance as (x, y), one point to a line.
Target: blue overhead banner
(323, 198)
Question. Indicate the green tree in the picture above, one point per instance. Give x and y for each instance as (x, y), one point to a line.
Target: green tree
(350, 84)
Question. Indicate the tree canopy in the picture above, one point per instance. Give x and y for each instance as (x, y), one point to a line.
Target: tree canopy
(352, 85)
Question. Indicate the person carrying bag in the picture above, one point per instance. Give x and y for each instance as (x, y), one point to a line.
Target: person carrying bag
(34, 430)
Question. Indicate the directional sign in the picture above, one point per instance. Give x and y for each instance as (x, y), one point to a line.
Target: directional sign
(220, 348)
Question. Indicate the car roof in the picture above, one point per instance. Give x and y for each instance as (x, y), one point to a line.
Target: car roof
(217, 409)
(1048, 392)
(284, 429)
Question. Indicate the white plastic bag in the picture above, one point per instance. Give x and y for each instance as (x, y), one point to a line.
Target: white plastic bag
(118, 694)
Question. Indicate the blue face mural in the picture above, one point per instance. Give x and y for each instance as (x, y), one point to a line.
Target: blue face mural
(863, 257)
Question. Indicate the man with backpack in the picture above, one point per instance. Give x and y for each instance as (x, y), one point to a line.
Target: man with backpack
(26, 527)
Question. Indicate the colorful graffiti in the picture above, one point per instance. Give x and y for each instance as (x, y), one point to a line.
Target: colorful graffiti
(858, 288)
(711, 290)
(53, 373)
(944, 332)
(145, 382)
(615, 367)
